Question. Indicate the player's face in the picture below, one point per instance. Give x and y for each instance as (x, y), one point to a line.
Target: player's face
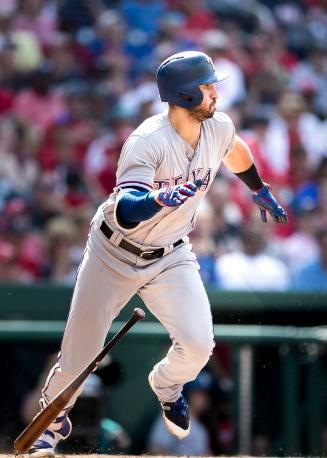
(207, 107)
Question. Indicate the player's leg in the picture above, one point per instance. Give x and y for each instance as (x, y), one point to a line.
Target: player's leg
(178, 299)
(99, 295)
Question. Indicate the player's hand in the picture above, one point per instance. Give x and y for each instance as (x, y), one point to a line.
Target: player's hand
(176, 195)
(267, 203)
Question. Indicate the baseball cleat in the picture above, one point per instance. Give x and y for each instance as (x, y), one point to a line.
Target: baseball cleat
(46, 443)
(175, 415)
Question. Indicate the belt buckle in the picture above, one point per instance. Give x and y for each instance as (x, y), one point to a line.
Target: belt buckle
(147, 254)
(152, 254)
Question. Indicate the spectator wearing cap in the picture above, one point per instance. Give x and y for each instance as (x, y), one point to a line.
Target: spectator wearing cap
(313, 277)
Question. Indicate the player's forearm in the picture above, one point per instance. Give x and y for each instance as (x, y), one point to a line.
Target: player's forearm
(240, 161)
(136, 206)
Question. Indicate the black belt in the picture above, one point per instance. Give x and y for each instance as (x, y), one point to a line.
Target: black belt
(148, 254)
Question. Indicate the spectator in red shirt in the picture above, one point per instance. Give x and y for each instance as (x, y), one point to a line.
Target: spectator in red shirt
(39, 105)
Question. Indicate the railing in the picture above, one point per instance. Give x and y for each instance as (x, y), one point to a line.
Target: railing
(49, 302)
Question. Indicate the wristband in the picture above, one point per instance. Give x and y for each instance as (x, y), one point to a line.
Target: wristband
(251, 178)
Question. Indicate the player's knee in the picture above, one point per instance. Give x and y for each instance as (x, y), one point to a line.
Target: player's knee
(200, 347)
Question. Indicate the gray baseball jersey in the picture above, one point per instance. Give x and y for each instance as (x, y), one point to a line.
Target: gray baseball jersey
(155, 156)
(171, 287)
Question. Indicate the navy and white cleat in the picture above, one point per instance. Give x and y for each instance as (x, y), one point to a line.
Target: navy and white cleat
(47, 442)
(176, 415)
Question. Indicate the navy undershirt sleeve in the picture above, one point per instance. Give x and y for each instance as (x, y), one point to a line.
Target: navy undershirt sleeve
(136, 206)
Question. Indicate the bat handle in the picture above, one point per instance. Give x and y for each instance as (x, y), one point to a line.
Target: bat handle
(138, 314)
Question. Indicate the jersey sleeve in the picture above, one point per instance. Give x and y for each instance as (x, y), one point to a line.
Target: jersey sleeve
(137, 164)
(227, 132)
(231, 136)
(230, 132)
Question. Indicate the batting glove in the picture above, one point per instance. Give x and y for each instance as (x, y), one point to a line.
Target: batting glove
(176, 195)
(266, 202)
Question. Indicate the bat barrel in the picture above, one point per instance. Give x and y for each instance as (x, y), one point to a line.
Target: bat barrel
(26, 439)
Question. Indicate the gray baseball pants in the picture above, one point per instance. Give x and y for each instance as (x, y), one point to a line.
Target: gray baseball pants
(171, 289)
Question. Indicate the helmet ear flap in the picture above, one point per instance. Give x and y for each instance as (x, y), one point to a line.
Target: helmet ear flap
(190, 98)
(186, 97)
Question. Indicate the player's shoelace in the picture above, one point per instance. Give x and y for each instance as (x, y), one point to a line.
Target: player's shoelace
(178, 408)
(177, 414)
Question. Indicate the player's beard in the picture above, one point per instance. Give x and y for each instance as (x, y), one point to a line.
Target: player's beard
(201, 114)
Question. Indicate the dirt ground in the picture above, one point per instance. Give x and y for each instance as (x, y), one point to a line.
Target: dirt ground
(124, 456)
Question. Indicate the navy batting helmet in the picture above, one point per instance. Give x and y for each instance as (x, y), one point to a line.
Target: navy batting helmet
(180, 75)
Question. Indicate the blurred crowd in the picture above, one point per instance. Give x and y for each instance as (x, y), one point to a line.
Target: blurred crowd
(77, 76)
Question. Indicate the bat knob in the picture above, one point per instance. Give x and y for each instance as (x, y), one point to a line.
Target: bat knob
(198, 183)
(138, 314)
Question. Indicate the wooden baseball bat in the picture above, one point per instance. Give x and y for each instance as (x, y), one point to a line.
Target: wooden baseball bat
(44, 418)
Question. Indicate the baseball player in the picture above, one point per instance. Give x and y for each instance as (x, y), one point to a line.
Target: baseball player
(138, 240)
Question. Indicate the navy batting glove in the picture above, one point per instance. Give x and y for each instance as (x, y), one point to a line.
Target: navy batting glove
(176, 195)
(267, 203)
